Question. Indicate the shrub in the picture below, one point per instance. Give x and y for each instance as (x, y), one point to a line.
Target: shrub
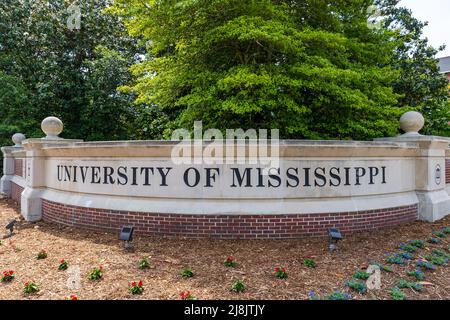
(136, 287)
(357, 286)
(310, 263)
(238, 286)
(418, 274)
(144, 264)
(397, 294)
(363, 275)
(187, 273)
(96, 273)
(63, 265)
(30, 287)
(7, 276)
(404, 284)
(281, 273)
(229, 262)
(42, 254)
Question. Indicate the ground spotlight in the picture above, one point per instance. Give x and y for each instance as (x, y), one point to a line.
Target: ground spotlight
(335, 235)
(126, 235)
(10, 227)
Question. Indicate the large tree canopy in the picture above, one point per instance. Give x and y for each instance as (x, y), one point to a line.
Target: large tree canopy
(313, 69)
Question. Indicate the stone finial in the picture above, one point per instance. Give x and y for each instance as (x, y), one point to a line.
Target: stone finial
(52, 127)
(412, 122)
(17, 139)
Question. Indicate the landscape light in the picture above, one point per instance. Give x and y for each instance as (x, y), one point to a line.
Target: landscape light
(126, 235)
(335, 235)
(10, 227)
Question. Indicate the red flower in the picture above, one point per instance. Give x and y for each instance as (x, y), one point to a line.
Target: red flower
(230, 259)
(182, 295)
(101, 267)
(140, 283)
(133, 284)
(284, 269)
(277, 269)
(62, 261)
(73, 297)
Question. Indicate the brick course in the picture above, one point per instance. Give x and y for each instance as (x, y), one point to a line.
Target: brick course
(226, 226)
(18, 167)
(16, 192)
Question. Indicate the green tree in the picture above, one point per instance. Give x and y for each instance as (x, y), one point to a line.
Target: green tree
(311, 68)
(420, 84)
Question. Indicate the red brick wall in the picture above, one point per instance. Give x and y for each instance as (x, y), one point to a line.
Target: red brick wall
(16, 192)
(226, 226)
(447, 171)
(18, 167)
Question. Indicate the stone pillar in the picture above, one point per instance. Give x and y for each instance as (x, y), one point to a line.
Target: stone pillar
(31, 202)
(434, 201)
(8, 164)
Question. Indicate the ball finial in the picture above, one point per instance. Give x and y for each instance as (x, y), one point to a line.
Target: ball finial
(52, 127)
(412, 122)
(17, 139)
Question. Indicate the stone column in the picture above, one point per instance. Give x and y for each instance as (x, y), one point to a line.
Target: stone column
(8, 164)
(434, 201)
(31, 202)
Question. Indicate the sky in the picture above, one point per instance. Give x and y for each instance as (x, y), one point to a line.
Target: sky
(437, 13)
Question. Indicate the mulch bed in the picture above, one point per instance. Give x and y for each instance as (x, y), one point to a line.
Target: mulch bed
(256, 259)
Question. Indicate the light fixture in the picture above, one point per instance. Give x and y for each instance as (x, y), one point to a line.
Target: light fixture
(10, 227)
(335, 235)
(126, 235)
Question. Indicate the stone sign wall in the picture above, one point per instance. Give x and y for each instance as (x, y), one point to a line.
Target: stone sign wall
(316, 185)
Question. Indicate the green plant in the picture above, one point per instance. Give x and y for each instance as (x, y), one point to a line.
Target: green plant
(7, 276)
(310, 263)
(362, 275)
(397, 294)
(144, 264)
(417, 243)
(395, 259)
(136, 287)
(63, 265)
(408, 248)
(437, 260)
(382, 267)
(229, 262)
(440, 253)
(418, 274)
(96, 273)
(434, 240)
(238, 286)
(446, 230)
(425, 265)
(440, 234)
(30, 287)
(42, 254)
(404, 284)
(336, 295)
(281, 273)
(187, 273)
(357, 286)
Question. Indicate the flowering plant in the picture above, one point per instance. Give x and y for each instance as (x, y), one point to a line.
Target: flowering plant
(336, 295)
(357, 285)
(72, 297)
(359, 274)
(417, 243)
(187, 296)
(7, 276)
(63, 265)
(418, 274)
(230, 262)
(397, 294)
(434, 240)
(136, 287)
(408, 248)
(42, 254)
(281, 273)
(425, 265)
(30, 287)
(96, 273)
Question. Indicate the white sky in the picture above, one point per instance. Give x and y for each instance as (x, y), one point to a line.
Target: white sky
(437, 13)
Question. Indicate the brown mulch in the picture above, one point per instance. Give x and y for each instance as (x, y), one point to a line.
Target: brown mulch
(256, 262)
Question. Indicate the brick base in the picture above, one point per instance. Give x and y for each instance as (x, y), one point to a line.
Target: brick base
(16, 193)
(226, 226)
(447, 171)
